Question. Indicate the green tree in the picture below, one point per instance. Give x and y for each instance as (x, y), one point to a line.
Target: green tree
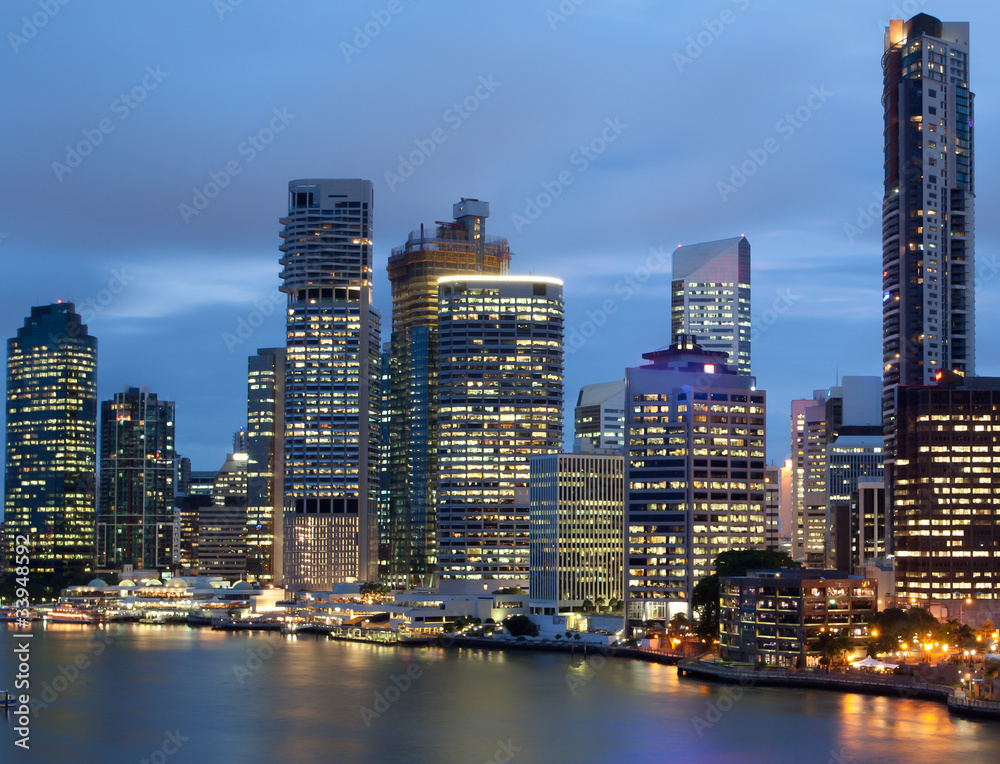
(520, 625)
(736, 562)
(373, 589)
(588, 606)
(833, 646)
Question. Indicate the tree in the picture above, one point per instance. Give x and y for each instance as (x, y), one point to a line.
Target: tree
(736, 562)
(832, 646)
(679, 623)
(520, 625)
(599, 602)
(588, 606)
(372, 589)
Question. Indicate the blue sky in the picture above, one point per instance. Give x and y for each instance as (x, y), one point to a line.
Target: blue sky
(631, 116)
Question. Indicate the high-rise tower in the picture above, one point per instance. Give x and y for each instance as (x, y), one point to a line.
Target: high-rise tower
(331, 385)
(135, 521)
(50, 470)
(710, 297)
(414, 269)
(265, 463)
(928, 274)
(500, 396)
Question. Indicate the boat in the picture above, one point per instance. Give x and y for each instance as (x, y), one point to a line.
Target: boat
(10, 614)
(70, 614)
(7, 699)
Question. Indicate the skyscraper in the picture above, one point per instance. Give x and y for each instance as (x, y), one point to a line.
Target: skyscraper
(500, 396)
(947, 479)
(576, 516)
(600, 416)
(928, 303)
(837, 440)
(331, 385)
(461, 247)
(135, 521)
(694, 474)
(710, 297)
(265, 443)
(51, 451)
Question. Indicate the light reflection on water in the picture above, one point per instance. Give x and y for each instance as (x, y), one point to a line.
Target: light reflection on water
(263, 697)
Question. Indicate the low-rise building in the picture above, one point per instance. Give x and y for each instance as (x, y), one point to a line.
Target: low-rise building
(777, 616)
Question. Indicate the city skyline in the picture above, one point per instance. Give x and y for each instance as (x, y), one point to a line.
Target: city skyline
(154, 318)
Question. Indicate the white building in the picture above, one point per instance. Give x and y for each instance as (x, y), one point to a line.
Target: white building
(600, 417)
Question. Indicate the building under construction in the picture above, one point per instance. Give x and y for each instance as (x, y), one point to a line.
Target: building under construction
(408, 551)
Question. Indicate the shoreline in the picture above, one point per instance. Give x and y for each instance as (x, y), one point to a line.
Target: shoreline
(887, 687)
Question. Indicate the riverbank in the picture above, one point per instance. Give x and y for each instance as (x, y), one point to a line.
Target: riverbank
(570, 646)
(869, 684)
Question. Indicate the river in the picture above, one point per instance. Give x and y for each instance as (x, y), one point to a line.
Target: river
(133, 693)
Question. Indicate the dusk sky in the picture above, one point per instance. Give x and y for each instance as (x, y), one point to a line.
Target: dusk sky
(118, 114)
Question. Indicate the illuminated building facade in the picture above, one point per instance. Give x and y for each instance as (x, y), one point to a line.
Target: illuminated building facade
(265, 449)
(500, 396)
(836, 441)
(135, 521)
(600, 416)
(51, 447)
(928, 300)
(710, 297)
(772, 505)
(460, 247)
(777, 616)
(945, 502)
(577, 509)
(331, 385)
(694, 474)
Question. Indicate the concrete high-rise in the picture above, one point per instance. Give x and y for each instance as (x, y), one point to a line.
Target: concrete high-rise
(710, 297)
(500, 397)
(265, 444)
(836, 441)
(460, 247)
(928, 274)
(51, 446)
(600, 416)
(135, 521)
(694, 474)
(331, 385)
